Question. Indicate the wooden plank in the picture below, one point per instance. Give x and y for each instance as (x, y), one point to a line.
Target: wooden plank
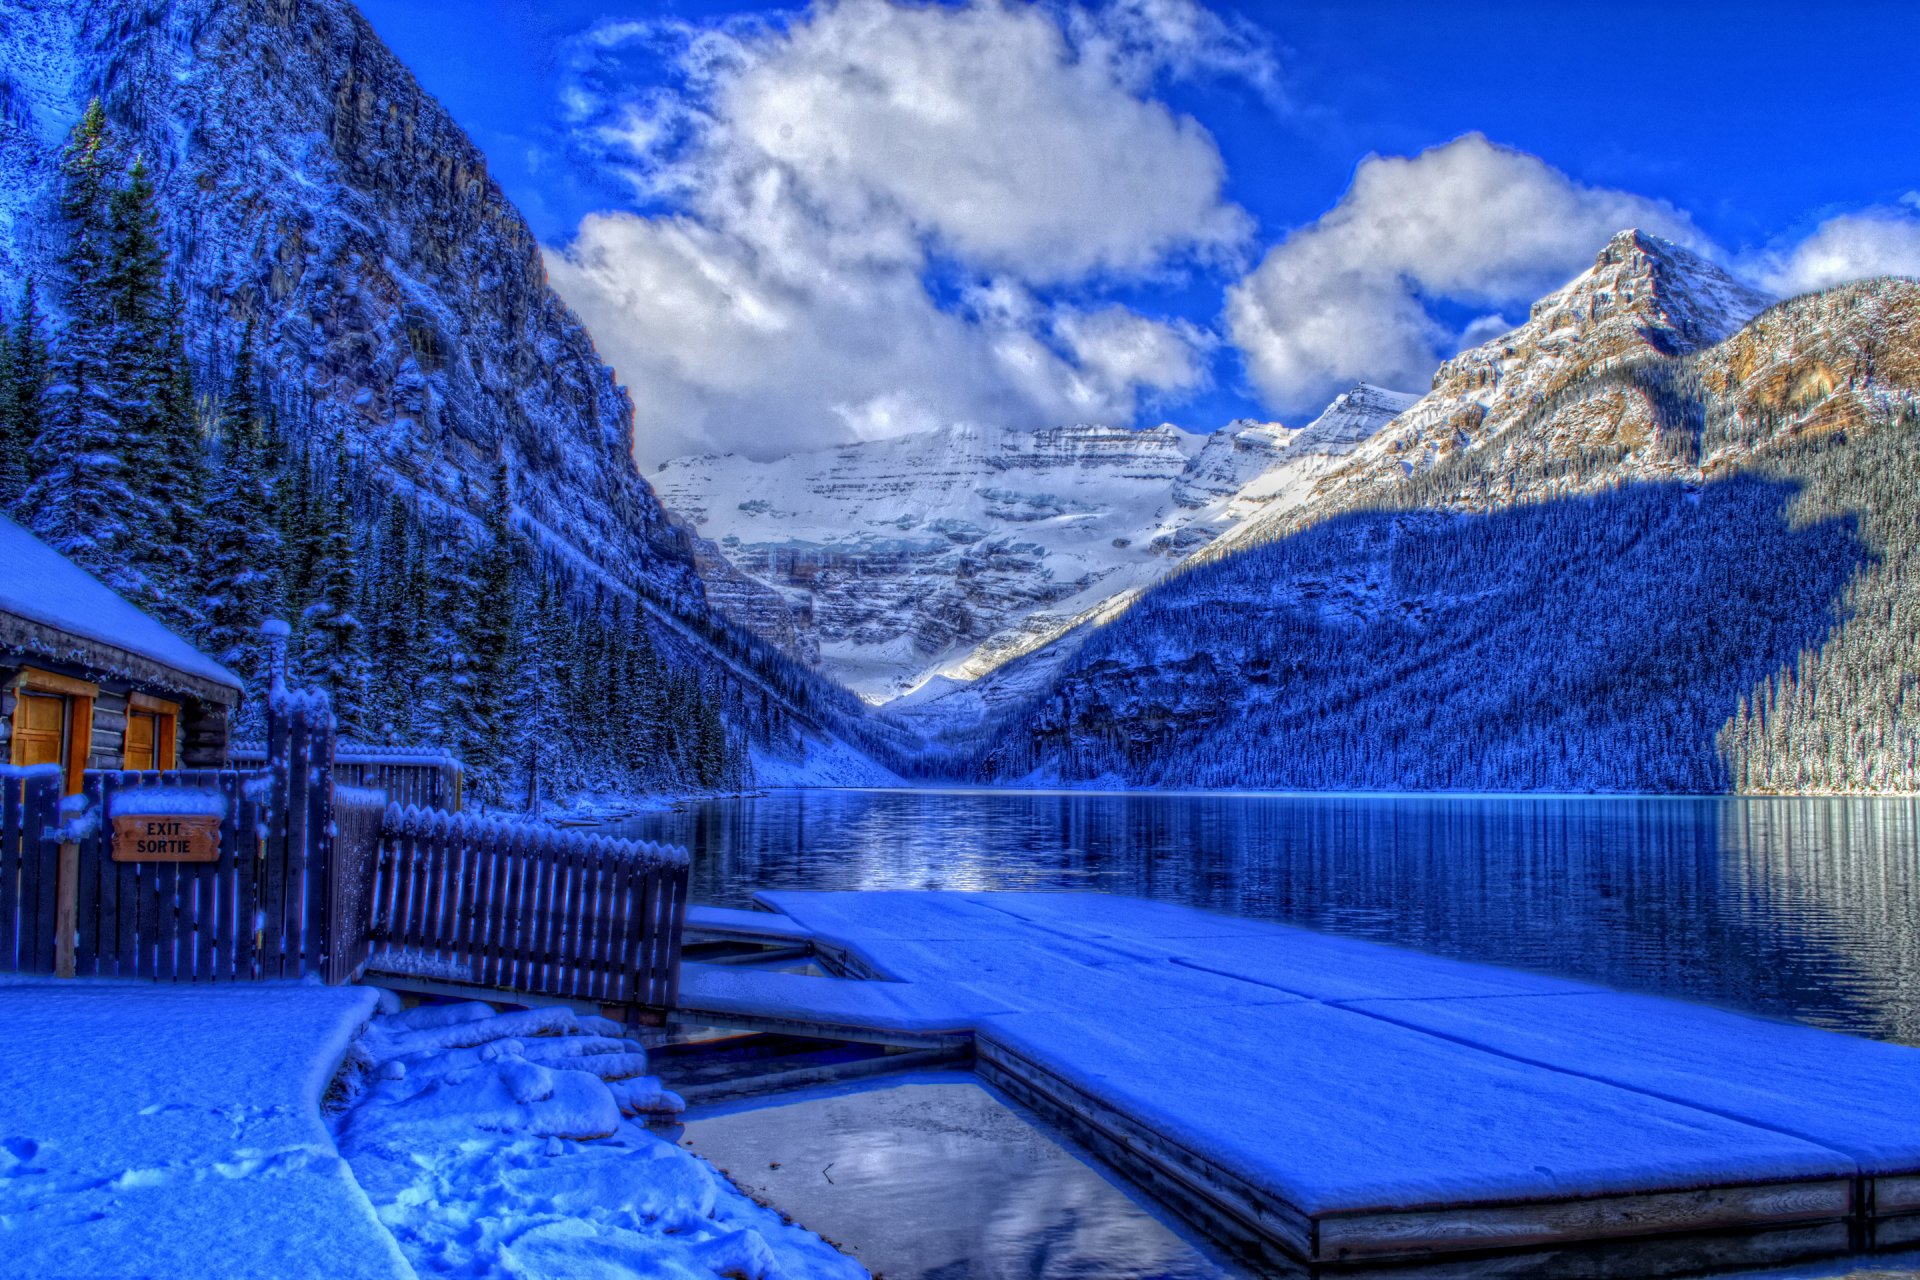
(613, 985)
(632, 963)
(510, 915)
(445, 897)
(405, 884)
(166, 918)
(247, 857)
(438, 841)
(478, 951)
(566, 914)
(207, 966)
(646, 971)
(12, 827)
(216, 911)
(548, 882)
(602, 929)
(527, 922)
(578, 915)
(317, 867)
(580, 909)
(493, 920)
(270, 879)
(676, 926)
(457, 940)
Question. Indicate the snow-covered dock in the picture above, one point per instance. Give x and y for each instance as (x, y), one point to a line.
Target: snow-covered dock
(1331, 1099)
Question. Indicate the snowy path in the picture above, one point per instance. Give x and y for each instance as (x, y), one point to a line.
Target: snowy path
(151, 1130)
(1354, 1082)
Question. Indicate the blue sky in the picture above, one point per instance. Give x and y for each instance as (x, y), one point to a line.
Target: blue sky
(1779, 142)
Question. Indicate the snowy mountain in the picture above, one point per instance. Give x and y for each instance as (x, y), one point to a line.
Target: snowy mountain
(312, 196)
(312, 186)
(1650, 540)
(915, 563)
(1644, 298)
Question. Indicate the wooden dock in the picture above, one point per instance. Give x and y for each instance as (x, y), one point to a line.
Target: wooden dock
(1323, 1100)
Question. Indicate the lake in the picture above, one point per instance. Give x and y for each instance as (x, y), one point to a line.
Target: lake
(1806, 908)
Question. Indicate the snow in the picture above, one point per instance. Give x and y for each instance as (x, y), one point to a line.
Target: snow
(972, 546)
(727, 922)
(40, 584)
(1381, 1117)
(1409, 1079)
(506, 1144)
(170, 801)
(821, 763)
(158, 1130)
(1853, 1095)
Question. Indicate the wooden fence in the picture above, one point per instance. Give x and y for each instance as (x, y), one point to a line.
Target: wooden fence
(504, 904)
(409, 775)
(310, 875)
(358, 815)
(29, 808)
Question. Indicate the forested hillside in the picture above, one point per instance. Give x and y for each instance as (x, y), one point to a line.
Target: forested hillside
(1679, 570)
(276, 346)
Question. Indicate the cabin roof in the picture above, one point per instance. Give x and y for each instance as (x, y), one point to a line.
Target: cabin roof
(52, 608)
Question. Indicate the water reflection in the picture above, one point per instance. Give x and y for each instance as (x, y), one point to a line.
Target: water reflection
(1807, 908)
(936, 1177)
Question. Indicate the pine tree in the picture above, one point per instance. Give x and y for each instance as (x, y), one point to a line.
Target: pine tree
(145, 360)
(335, 655)
(242, 550)
(79, 499)
(180, 448)
(490, 642)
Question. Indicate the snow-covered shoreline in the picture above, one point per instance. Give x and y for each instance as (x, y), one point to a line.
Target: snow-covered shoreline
(516, 1144)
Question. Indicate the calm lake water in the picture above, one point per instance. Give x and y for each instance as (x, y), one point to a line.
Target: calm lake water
(1804, 908)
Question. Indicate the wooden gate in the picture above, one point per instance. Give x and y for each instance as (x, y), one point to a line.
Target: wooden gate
(184, 921)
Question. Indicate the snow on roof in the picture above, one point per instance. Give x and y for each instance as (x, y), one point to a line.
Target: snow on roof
(43, 586)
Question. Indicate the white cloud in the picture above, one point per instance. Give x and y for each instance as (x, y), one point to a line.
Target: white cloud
(1345, 297)
(1853, 246)
(824, 171)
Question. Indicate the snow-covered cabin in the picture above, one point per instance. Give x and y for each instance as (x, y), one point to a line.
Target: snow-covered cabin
(88, 681)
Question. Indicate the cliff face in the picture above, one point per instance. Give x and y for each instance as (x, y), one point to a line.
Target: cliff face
(310, 184)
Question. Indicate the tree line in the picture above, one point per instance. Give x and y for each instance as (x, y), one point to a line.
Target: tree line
(176, 468)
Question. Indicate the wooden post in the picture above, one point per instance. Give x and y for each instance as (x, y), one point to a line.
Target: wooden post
(66, 911)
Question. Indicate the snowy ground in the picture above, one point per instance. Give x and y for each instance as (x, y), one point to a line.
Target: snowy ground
(150, 1130)
(176, 1131)
(515, 1144)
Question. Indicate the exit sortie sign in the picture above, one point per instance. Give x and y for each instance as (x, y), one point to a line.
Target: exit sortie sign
(166, 838)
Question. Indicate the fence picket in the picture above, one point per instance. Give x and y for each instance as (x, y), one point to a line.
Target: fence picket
(12, 831)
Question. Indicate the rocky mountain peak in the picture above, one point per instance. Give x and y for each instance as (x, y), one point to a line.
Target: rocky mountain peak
(1678, 300)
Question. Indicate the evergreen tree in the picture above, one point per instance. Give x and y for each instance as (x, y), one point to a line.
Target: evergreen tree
(242, 549)
(79, 499)
(23, 381)
(490, 643)
(335, 654)
(179, 454)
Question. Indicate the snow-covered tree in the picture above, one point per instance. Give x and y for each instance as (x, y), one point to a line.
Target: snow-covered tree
(335, 654)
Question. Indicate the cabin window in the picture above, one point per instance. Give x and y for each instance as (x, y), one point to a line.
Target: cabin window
(40, 728)
(53, 722)
(150, 733)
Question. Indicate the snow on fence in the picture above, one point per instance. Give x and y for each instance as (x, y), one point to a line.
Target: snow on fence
(29, 807)
(505, 904)
(409, 775)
